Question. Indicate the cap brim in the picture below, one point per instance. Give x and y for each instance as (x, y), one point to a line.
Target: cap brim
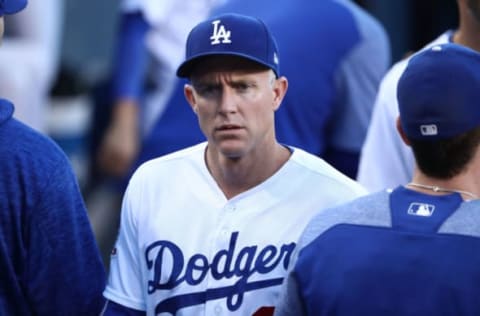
(185, 69)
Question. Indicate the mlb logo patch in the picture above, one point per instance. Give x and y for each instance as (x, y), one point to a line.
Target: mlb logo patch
(421, 209)
(429, 130)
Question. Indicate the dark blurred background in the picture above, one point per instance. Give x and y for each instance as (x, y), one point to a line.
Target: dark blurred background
(89, 29)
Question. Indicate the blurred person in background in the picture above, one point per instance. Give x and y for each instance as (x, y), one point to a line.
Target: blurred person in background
(29, 60)
(150, 43)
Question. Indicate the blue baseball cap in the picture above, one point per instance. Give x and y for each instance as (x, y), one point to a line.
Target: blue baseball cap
(439, 93)
(11, 6)
(230, 34)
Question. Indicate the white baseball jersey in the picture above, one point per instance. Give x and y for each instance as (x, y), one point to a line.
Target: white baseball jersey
(184, 249)
(385, 160)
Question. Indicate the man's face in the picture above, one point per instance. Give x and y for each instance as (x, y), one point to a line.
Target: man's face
(235, 100)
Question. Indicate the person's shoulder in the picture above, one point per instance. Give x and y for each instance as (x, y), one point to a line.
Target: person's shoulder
(22, 141)
(361, 13)
(321, 169)
(172, 161)
(392, 76)
(368, 210)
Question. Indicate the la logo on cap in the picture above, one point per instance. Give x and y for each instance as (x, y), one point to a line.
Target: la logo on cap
(219, 32)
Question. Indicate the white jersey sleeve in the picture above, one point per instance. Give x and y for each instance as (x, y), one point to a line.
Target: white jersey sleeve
(385, 160)
(125, 277)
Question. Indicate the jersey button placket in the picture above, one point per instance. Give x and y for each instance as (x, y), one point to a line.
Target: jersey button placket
(223, 235)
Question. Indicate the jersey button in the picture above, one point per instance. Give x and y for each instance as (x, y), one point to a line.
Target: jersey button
(218, 310)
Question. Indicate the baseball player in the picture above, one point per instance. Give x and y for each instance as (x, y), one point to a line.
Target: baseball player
(49, 262)
(210, 229)
(386, 161)
(413, 250)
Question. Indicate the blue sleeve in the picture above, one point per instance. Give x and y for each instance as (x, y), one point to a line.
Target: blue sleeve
(130, 60)
(114, 309)
(64, 273)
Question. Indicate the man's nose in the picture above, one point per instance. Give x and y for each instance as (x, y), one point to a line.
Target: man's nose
(228, 100)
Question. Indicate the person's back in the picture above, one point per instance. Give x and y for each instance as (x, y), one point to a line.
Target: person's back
(393, 253)
(326, 49)
(49, 263)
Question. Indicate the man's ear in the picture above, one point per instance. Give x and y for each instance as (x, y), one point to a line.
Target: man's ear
(190, 96)
(280, 87)
(402, 132)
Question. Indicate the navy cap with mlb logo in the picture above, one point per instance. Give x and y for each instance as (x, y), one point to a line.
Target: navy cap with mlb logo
(439, 92)
(230, 34)
(11, 6)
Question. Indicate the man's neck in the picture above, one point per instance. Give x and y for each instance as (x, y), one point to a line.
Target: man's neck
(468, 33)
(235, 176)
(467, 181)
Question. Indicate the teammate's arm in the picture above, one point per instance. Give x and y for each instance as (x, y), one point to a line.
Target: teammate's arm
(122, 138)
(125, 281)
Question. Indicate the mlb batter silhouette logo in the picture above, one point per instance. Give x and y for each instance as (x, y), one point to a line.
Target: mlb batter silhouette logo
(421, 209)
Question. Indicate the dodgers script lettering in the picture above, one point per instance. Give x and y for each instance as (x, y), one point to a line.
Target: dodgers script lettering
(229, 263)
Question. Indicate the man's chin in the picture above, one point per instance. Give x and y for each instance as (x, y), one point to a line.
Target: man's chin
(232, 150)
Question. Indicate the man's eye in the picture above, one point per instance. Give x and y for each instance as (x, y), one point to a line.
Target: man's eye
(206, 90)
(243, 87)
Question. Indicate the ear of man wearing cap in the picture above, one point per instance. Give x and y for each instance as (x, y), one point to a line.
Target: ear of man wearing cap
(438, 99)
